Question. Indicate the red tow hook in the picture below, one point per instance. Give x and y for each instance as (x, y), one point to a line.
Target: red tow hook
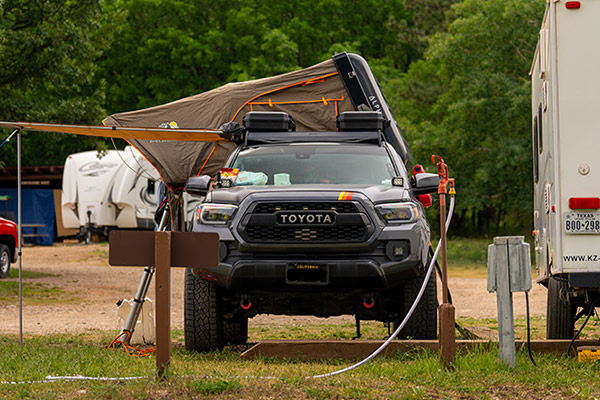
(245, 304)
(368, 302)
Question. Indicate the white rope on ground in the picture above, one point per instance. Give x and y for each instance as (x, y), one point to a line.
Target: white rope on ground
(50, 379)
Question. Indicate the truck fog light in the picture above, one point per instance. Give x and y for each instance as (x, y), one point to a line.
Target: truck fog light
(222, 251)
(397, 249)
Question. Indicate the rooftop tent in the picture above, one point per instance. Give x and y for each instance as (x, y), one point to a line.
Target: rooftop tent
(313, 96)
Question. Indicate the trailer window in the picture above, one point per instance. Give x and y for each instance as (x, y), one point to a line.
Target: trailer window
(536, 153)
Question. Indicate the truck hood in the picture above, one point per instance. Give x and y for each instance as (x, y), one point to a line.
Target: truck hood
(376, 193)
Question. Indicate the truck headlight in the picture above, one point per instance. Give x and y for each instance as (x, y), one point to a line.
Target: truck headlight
(215, 214)
(398, 212)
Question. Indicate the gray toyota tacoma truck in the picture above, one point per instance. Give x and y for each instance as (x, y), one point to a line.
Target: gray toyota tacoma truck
(311, 223)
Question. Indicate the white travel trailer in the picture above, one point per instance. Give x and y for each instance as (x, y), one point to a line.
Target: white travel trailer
(115, 190)
(566, 149)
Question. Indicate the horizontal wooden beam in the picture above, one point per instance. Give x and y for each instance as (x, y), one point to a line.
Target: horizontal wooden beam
(360, 349)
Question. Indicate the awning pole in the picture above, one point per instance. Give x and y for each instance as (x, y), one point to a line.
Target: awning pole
(20, 236)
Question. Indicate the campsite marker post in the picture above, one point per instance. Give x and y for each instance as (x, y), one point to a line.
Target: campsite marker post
(163, 250)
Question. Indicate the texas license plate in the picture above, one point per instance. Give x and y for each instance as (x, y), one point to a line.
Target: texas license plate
(581, 222)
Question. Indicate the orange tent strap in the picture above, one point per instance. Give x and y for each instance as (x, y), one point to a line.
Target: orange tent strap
(321, 100)
(324, 101)
(316, 80)
(207, 158)
(270, 103)
(281, 88)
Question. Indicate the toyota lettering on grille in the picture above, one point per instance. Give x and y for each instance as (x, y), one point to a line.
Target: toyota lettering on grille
(308, 218)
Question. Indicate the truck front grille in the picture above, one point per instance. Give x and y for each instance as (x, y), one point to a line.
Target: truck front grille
(349, 226)
(271, 234)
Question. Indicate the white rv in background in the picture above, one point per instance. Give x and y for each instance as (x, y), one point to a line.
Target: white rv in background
(566, 148)
(115, 190)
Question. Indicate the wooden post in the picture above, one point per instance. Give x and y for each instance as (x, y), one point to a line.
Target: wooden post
(164, 250)
(162, 262)
(446, 310)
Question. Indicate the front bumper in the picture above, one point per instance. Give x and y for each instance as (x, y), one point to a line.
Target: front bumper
(333, 269)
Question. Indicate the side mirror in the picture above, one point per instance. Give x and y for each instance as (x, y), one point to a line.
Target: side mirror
(426, 183)
(198, 185)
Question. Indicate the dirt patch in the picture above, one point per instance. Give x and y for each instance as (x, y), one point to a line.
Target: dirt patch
(83, 272)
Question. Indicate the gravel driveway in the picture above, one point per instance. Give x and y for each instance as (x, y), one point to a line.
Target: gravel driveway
(93, 288)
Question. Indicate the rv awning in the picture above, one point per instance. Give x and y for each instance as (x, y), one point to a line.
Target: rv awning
(196, 135)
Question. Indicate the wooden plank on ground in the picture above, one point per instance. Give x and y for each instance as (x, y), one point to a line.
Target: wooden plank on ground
(358, 349)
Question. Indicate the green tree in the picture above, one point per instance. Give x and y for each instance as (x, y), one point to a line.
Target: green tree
(168, 49)
(469, 101)
(48, 50)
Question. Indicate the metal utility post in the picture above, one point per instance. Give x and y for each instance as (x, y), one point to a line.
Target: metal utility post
(20, 236)
(509, 270)
(447, 340)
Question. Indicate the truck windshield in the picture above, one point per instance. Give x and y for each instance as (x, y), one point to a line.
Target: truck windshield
(297, 164)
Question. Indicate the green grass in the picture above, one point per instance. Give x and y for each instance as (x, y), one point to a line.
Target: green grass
(369, 330)
(35, 293)
(223, 375)
(14, 273)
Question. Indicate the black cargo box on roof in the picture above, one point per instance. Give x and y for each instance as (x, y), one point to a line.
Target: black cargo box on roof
(360, 121)
(269, 121)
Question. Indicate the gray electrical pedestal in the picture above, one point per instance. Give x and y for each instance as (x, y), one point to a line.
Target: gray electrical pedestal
(509, 271)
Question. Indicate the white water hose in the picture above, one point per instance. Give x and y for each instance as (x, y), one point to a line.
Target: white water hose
(410, 311)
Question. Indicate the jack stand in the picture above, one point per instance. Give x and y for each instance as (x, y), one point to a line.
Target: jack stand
(138, 300)
(446, 311)
(88, 228)
(357, 327)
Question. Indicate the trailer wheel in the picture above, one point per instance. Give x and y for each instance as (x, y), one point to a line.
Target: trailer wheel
(4, 261)
(203, 320)
(423, 322)
(235, 332)
(560, 316)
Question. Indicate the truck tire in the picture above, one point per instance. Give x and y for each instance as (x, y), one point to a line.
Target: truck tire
(203, 320)
(423, 323)
(4, 261)
(560, 315)
(235, 332)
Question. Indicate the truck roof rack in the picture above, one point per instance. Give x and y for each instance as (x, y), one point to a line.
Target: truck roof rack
(307, 137)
